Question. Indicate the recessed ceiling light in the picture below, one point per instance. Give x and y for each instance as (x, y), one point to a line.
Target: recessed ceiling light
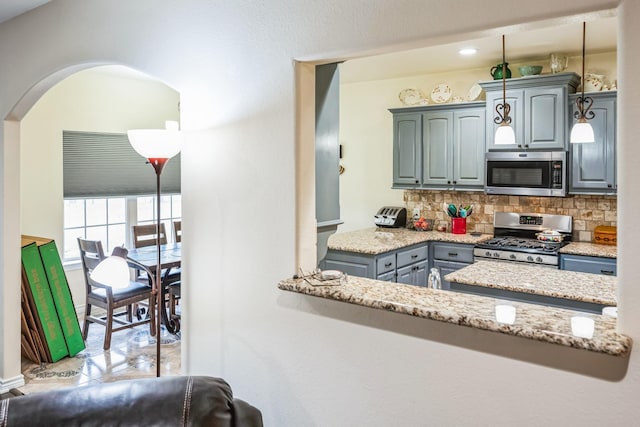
(468, 51)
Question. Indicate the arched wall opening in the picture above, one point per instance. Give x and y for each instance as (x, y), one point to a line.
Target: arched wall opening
(88, 98)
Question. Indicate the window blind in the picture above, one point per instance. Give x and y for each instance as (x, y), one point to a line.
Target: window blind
(104, 165)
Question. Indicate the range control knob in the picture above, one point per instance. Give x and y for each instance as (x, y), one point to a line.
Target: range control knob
(496, 255)
(539, 259)
(512, 256)
(530, 258)
(488, 253)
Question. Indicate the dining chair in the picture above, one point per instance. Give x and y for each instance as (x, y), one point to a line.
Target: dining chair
(112, 299)
(145, 235)
(177, 231)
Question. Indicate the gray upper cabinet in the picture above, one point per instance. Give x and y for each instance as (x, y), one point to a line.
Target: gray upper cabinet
(593, 166)
(437, 149)
(539, 110)
(468, 147)
(450, 153)
(407, 142)
(515, 99)
(545, 118)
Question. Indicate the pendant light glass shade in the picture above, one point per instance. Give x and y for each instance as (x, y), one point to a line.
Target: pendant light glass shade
(113, 271)
(157, 143)
(582, 133)
(504, 135)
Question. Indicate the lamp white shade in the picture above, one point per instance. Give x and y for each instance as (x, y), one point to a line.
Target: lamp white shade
(582, 133)
(112, 271)
(504, 135)
(157, 143)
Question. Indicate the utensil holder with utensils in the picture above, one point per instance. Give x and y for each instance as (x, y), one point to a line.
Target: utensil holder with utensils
(458, 217)
(459, 225)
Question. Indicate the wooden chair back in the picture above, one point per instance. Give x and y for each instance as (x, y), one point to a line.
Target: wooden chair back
(145, 235)
(177, 231)
(91, 253)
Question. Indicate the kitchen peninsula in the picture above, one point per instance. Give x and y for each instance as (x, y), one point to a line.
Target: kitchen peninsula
(541, 323)
(534, 321)
(547, 286)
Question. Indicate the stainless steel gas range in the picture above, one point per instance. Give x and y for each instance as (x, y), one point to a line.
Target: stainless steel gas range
(515, 238)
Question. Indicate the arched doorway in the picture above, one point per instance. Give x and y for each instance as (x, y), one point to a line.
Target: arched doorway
(87, 97)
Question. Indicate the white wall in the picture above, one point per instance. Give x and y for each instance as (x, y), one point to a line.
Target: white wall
(366, 130)
(92, 101)
(306, 361)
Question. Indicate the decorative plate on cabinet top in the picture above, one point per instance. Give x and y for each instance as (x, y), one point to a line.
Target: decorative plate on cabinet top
(441, 93)
(474, 92)
(412, 97)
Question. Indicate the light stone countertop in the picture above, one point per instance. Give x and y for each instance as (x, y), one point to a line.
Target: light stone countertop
(590, 249)
(541, 323)
(376, 241)
(533, 279)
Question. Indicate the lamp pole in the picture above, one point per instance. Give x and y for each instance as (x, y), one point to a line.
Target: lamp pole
(157, 146)
(158, 165)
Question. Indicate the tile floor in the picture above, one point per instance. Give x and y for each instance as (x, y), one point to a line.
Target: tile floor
(132, 355)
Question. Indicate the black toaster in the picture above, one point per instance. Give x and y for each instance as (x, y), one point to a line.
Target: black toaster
(391, 216)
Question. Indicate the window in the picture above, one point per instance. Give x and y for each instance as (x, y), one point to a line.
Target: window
(106, 190)
(110, 219)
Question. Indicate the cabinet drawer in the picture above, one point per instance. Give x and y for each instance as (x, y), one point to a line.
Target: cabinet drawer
(410, 256)
(386, 263)
(453, 252)
(586, 264)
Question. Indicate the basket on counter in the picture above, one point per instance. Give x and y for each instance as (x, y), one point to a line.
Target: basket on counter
(420, 224)
(605, 235)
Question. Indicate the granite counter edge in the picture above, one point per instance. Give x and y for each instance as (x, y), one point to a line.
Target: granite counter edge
(616, 344)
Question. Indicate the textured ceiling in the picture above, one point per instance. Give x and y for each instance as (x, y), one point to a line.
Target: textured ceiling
(521, 45)
(11, 8)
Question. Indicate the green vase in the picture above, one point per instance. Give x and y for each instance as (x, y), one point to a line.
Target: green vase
(496, 72)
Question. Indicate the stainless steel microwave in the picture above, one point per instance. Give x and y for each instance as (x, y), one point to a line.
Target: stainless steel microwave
(526, 173)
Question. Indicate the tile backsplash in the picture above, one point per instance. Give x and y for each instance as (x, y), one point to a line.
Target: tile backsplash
(587, 211)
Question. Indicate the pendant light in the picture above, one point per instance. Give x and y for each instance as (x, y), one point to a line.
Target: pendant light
(582, 132)
(504, 133)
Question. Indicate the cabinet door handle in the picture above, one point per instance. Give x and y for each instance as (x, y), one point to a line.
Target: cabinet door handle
(519, 145)
(448, 182)
(607, 272)
(417, 181)
(453, 253)
(414, 256)
(609, 185)
(455, 182)
(526, 145)
(389, 264)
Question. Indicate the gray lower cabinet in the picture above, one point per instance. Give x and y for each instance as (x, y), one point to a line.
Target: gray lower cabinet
(449, 257)
(446, 267)
(351, 263)
(593, 166)
(589, 264)
(407, 265)
(414, 274)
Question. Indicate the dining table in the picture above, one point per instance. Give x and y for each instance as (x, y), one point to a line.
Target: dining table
(170, 261)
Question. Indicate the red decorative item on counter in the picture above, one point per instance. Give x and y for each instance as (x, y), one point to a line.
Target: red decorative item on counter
(459, 225)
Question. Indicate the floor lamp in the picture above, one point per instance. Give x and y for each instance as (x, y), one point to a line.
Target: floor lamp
(157, 146)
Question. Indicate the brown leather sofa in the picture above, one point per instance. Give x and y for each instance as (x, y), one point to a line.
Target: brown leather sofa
(166, 401)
